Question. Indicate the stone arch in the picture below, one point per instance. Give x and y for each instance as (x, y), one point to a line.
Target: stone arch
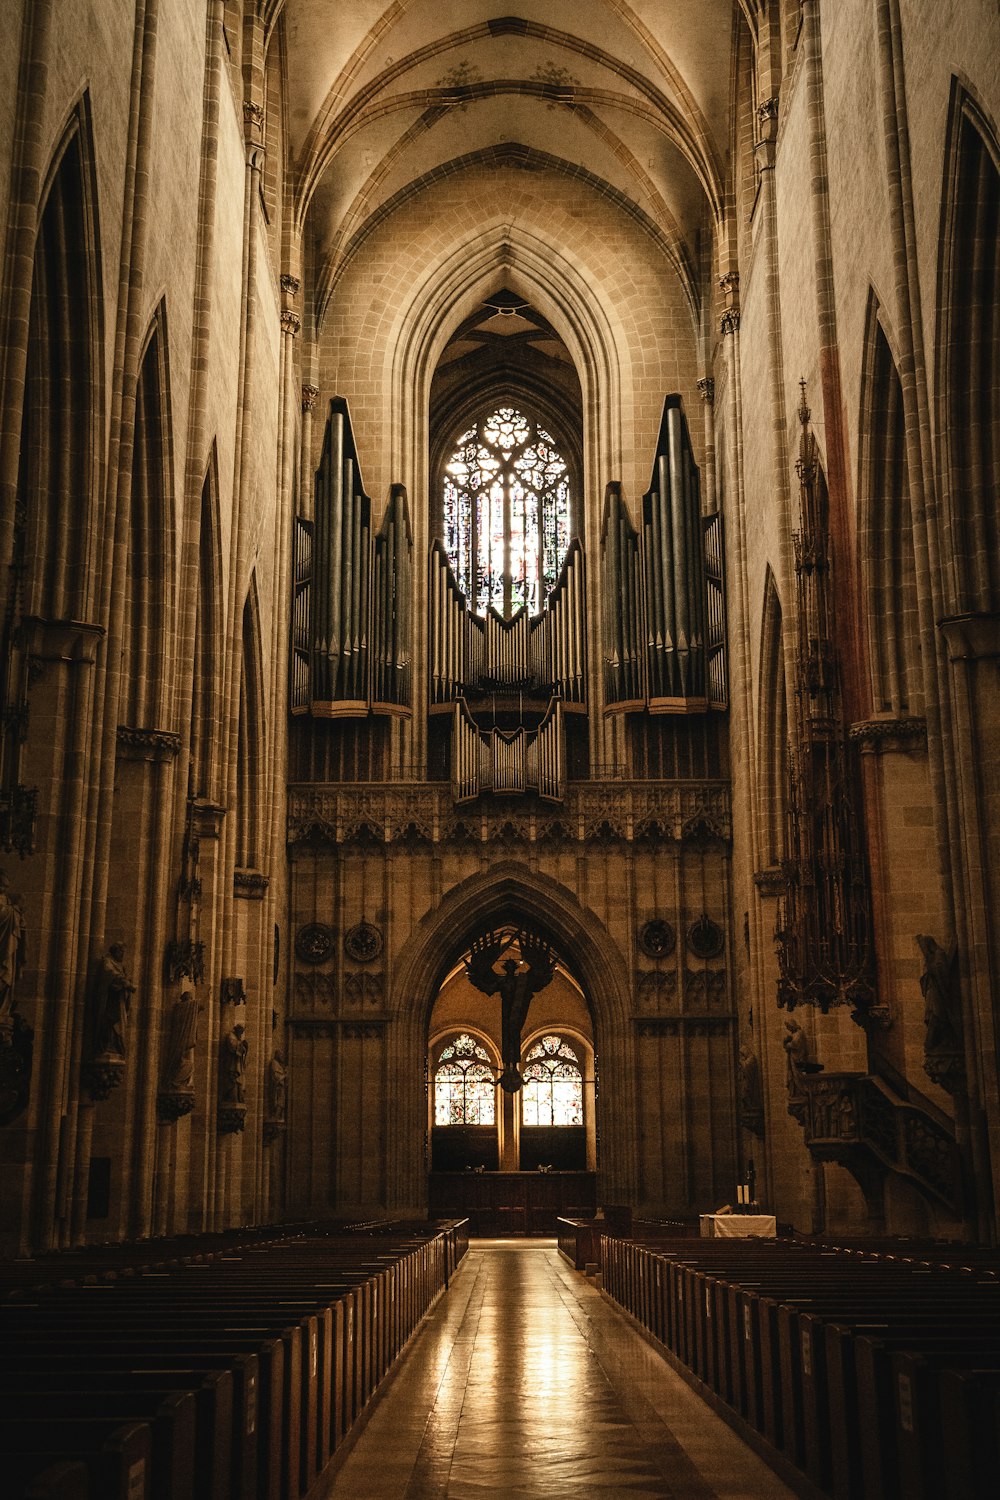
(444, 297)
(968, 375)
(61, 438)
(148, 591)
(510, 891)
(886, 524)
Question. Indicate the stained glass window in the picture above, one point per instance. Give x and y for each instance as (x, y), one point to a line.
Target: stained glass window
(506, 513)
(553, 1084)
(464, 1088)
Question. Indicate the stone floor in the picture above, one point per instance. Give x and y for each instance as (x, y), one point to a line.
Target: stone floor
(524, 1382)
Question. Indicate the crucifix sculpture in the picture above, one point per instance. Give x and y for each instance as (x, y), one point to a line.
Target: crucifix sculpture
(516, 986)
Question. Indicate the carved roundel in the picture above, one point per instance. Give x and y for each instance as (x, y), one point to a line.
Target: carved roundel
(314, 942)
(363, 942)
(657, 938)
(705, 938)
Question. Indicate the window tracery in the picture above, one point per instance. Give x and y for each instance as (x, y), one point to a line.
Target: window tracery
(506, 513)
(553, 1084)
(464, 1084)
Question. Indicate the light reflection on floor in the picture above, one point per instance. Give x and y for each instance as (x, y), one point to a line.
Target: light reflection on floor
(524, 1383)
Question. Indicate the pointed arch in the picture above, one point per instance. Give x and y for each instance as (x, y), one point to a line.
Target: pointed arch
(250, 818)
(969, 345)
(206, 670)
(145, 622)
(510, 892)
(773, 727)
(890, 572)
(59, 469)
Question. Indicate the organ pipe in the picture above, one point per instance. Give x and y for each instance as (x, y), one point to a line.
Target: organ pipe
(392, 645)
(507, 762)
(352, 603)
(663, 612)
(527, 654)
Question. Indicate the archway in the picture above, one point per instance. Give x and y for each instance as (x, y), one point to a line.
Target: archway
(509, 893)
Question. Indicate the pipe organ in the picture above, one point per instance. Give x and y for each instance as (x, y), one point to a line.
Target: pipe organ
(499, 761)
(523, 675)
(475, 655)
(352, 602)
(663, 589)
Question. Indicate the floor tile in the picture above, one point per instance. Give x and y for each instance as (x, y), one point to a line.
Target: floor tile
(524, 1383)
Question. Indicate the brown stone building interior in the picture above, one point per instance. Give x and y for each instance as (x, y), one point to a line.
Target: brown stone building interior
(500, 579)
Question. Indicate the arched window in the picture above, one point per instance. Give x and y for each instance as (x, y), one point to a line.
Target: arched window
(464, 1087)
(553, 1084)
(506, 513)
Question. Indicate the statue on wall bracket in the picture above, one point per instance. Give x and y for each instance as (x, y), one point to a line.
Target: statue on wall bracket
(516, 986)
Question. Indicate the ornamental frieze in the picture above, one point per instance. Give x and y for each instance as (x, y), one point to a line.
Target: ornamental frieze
(424, 812)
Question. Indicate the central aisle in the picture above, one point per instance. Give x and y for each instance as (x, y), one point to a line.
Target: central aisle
(524, 1382)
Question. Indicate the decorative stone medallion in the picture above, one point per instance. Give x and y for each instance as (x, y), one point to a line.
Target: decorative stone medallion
(705, 938)
(363, 942)
(657, 938)
(314, 942)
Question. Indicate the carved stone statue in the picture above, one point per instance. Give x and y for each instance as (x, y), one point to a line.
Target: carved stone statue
(11, 948)
(796, 1045)
(232, 1066)
(516, 987)
(182, 1038)
(938, 984)
(112, 1002)
(277, 1089)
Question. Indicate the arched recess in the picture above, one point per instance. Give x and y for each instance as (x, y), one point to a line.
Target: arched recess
(59, 473)
(887, 530)
(969, 345)
(540, 272)
(251, 820)
(510, 892)
(207, 664)
(773, 728)
(144, 621)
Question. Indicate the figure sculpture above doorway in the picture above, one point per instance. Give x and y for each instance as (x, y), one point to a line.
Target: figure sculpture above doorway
(516, 986)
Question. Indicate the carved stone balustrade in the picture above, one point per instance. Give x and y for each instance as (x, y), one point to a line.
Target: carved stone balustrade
(624, 811)
(857, 1120)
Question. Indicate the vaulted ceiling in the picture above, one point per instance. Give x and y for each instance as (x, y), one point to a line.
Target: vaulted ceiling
(633, 97)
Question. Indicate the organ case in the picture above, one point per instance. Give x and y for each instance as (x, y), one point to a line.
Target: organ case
(663, 589)
(352, 601)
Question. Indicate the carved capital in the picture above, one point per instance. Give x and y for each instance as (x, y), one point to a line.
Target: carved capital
(147, 744)
(232, 1119)
(101, 1077)
(174, 1104)
(706, 389)
(729, 322)
(185, 959)
(881, 736)
(947, 1070)
(250, 884)
(290, 322)
(290, 285)
(770, 882)
(309, 395)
